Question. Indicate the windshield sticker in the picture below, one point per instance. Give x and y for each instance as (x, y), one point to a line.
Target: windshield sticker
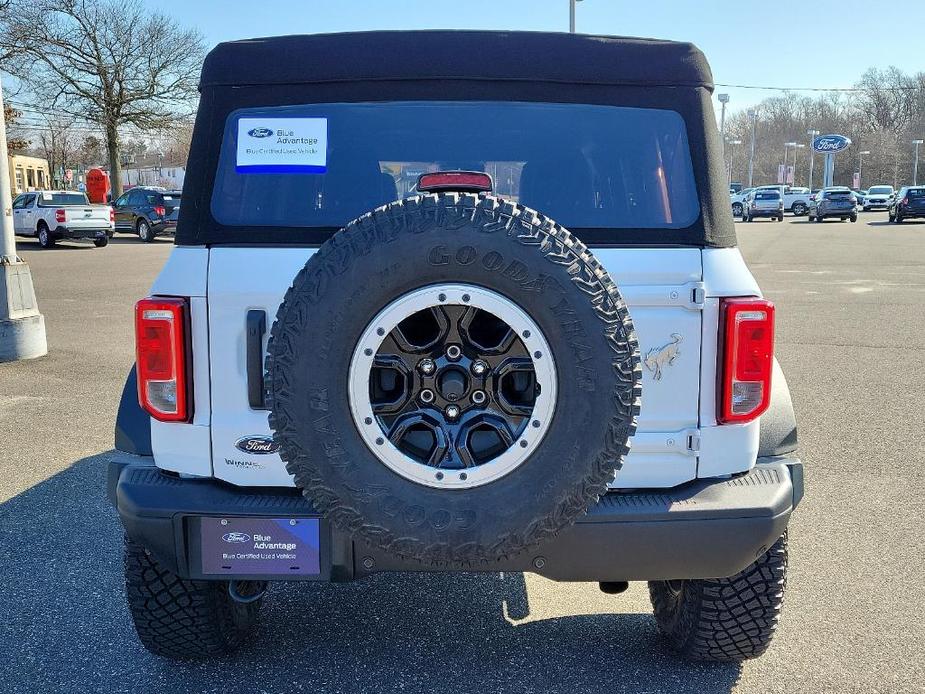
(282, 145)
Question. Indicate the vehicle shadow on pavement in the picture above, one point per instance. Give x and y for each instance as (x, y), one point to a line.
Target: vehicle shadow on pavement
(67, 628)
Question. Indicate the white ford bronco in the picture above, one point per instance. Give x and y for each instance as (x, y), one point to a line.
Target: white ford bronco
(455, 301)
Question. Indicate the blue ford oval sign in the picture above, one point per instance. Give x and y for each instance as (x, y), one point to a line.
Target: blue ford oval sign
(260, 445)
(260, 132)
(829, 144)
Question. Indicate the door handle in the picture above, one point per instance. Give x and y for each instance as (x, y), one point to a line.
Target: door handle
(256, 328)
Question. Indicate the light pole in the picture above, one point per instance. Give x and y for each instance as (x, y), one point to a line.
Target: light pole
(753, 116)
(723, 99)
(571, 15)
(861, 166)
(22, 327)
(812, 136)
(915, 166)
(732, 156)
(791, 145)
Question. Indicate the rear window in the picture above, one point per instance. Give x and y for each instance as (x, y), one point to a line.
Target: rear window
(839, 194)
(56, 199)
(586, 166)
(767, 195)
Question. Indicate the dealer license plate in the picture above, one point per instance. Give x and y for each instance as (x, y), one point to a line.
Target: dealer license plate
(260, 546)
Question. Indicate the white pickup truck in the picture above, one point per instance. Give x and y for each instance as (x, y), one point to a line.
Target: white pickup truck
(50, 215)
(796, 200)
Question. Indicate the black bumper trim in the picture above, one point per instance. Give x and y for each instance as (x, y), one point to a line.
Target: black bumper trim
(703, 529)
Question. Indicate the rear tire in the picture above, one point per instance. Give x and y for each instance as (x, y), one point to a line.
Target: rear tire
(899, 219)
(101, 243)
(144, 231)
(854, 217)
(181, 618)
(46, 240)
(724, 619)
(799, 209)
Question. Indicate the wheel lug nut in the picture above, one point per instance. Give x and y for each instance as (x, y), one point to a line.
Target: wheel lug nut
(478, 397)
(427, 396)
(452, 412)
(479, 368)
(427, 366)
(453, 352)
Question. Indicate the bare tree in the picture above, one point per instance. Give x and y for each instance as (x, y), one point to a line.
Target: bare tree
(91, 151)
(58, 143)
(78, 57)
(16, 141)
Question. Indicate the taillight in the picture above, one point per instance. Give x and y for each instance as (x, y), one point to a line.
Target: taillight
(159, 210)
(60, 216)
(161, 354)
(904, 202)
(112, 215)
(747, 356)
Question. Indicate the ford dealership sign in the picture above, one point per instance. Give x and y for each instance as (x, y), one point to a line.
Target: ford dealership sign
(830, 144)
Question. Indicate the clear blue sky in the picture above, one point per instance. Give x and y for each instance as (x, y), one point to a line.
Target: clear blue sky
(819, 43)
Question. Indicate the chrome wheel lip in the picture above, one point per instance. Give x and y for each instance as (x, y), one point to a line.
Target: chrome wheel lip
(440, 295)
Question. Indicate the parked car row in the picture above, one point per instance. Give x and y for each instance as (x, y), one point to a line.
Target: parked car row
(53, 215)
(794, 199)
(837, 202)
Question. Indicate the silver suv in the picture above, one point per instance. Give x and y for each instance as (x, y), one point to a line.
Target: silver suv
(836, 201)
(763, 202)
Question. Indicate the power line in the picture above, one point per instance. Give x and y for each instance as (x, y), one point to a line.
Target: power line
(904, 88)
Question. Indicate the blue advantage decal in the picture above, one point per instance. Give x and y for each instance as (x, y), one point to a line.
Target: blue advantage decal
(282, 146)
(261, 546)
(830, 144)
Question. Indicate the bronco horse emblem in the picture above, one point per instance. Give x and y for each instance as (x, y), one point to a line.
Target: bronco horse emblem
(658, 358)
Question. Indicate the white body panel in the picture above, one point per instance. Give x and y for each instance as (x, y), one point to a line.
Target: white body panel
(673, 299)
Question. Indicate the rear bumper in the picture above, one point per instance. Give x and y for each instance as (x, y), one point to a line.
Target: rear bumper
(766, 213)
(847, 212)
(63, 232)
(703, 529)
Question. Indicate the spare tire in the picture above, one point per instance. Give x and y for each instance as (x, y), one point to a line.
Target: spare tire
(453, 378)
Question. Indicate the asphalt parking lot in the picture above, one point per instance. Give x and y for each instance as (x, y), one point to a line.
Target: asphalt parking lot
(851, 330)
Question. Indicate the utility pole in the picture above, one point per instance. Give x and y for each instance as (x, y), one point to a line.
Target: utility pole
(753, 116)
(861, 166)
(723, 99)
(22, 327)
(793, 145)
(812, 136)
(571, 15)
(732, 156)
(915, 166)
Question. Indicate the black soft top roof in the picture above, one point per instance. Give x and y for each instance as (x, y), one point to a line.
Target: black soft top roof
(480, 55)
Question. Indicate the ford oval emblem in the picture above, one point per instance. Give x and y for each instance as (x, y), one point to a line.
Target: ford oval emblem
(829, 144)
(234, 538)
(261, 445)
(260, 132)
